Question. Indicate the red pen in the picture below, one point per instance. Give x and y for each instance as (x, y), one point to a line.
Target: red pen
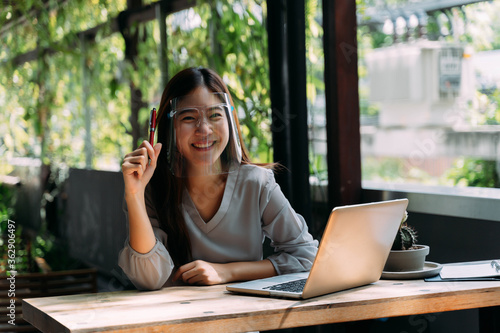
(152, 126)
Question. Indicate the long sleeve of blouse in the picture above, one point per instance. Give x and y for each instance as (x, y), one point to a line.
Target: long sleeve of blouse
(147, 271)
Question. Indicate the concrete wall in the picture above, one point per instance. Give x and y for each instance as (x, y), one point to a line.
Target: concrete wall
(94, 222)
(28, 193)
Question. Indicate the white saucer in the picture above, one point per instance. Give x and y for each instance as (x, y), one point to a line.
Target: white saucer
(430, 269)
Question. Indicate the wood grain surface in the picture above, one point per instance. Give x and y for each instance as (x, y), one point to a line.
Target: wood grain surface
(202, 309)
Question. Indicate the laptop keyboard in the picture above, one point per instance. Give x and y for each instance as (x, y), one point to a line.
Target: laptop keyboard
(293, 286)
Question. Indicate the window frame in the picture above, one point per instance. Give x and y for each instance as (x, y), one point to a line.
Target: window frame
(345, 185)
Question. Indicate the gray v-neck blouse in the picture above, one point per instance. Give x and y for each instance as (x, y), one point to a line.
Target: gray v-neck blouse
(252, 208)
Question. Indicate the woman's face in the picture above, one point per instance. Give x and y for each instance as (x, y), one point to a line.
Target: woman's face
(202, 131)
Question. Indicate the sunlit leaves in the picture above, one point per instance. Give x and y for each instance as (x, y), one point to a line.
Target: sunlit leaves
(474, 172)
(51, 96)
(47, 93)
(314, 51)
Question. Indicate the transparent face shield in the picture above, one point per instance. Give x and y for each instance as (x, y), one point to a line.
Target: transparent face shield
(203, 136)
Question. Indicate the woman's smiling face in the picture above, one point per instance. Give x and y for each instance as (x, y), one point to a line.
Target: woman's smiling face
(201, 129)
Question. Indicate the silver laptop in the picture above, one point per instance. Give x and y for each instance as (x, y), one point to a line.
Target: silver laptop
(352, 253)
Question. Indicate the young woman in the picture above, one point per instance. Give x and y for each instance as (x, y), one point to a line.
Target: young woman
(199, 211)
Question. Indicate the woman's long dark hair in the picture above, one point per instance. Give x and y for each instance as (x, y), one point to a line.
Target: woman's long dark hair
(166, 188)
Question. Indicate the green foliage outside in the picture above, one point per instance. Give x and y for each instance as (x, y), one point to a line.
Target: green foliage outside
(6, 203)
(47, 99)
(6, 214)
(44, 115)
(474, 172)
(26, 246)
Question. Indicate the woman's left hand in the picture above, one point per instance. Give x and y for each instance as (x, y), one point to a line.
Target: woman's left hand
(200, 272)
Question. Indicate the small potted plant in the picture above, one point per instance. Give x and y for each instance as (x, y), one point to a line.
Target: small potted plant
(406, 254)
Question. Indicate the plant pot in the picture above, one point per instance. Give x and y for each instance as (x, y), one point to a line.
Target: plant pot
(407, 260)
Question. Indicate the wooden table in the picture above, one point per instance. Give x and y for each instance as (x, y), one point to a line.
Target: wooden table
(213, 309)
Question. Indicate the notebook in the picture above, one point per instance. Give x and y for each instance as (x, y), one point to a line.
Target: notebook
(482, 270)
(352, 253)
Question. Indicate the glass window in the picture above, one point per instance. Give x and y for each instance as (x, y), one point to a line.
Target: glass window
(316, 107)
(429, 85)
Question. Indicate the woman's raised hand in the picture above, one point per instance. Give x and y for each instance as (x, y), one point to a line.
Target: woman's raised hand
(138, 167)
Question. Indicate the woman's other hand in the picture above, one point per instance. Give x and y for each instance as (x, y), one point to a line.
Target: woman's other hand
(138, 167)
(200, 272)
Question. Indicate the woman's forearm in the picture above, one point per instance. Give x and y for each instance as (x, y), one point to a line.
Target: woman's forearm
(250, 270)
(141, 236)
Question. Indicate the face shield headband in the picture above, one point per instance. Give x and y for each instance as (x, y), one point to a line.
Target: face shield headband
(203, 136)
